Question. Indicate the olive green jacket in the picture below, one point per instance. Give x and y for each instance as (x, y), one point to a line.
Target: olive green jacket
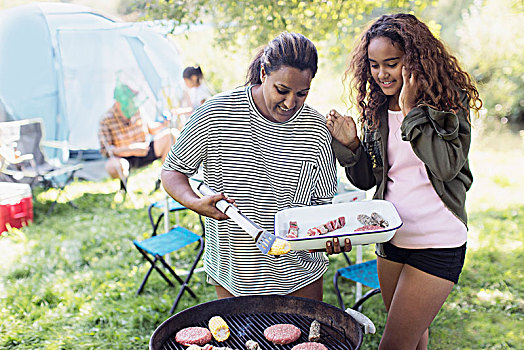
(440, 139)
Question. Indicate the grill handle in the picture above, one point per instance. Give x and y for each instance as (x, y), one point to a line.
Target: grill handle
(365, 322)
(233, 212)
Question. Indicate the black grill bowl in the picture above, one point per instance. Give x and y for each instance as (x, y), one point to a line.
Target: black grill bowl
(249, 316)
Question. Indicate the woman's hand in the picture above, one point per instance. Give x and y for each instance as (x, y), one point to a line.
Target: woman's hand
(177, 186)
(207, 206)
(333, 247)
(408, 93)
(343, 129)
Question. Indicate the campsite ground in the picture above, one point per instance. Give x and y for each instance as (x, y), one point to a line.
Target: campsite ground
(68, 281)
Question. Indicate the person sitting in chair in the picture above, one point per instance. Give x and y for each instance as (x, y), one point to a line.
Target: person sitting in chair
(123, 136)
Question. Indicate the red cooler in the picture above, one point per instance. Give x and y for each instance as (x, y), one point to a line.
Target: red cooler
(16, 205)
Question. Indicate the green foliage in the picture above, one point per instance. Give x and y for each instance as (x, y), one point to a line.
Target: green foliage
(183, 12)
(502, 181)
(255, 22)
(225, 73)
(448, 14)
(125, 6)
(492, 48)
(485, 35)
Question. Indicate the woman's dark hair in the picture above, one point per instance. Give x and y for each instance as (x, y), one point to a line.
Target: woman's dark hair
(193, 70)
(438, 73)
(287, 49)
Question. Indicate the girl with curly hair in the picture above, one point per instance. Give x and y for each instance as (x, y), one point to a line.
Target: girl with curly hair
(414, 102)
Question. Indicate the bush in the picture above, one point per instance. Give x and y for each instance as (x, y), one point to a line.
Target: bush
(491, 45)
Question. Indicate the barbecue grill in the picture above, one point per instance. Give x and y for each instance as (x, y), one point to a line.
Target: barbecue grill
(249, 316)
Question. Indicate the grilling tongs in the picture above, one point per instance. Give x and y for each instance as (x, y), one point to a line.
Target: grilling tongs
(267, 242)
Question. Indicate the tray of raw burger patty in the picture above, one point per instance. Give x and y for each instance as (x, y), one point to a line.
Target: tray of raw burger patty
(364, 222)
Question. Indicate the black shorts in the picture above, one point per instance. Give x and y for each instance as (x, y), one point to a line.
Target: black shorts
(445, 263)
(138, 162)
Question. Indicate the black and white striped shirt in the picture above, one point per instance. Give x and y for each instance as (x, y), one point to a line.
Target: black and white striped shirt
(265, 167)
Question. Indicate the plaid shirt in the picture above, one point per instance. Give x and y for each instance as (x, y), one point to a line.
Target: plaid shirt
(117, 131)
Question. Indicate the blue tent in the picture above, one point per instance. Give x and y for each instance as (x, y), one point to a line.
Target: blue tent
(60, 62)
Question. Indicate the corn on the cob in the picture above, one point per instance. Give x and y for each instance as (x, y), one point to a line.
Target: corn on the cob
(219, 328)
(280, 247)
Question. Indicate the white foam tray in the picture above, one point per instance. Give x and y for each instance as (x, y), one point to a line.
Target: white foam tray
(308, 217)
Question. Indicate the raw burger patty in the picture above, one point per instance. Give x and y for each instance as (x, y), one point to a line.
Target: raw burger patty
(193, 335)
(309, 346)
(282, 333)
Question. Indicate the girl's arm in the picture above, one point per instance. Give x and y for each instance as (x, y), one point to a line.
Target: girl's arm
(349, 151)
(357, 165)
(440, 139)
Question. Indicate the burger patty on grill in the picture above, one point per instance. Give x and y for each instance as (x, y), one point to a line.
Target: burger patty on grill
(309, 346)
(282, 333)
(193, 335)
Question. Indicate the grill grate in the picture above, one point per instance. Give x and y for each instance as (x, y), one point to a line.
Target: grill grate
(252, 326)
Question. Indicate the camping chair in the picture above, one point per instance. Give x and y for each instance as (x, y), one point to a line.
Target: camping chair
(155, 248)
(362, 273)
(22, 158)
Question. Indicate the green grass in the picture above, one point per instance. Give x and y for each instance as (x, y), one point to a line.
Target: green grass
(68, 280)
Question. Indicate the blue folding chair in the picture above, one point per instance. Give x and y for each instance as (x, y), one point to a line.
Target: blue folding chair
(155, 248)
(364, 273)
(172, 206)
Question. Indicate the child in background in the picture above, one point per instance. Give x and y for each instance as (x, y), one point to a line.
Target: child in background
(198, 91)
(414, 101)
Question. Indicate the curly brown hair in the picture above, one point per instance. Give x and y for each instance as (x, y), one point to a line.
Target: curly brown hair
(438, 73)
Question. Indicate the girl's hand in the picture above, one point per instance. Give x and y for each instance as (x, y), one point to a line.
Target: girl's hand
(343, 129)
(408, 93)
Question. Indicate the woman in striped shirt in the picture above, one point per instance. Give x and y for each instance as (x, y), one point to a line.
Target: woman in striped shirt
(269, 151)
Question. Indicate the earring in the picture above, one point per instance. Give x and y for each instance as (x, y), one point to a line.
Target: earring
(262, 71)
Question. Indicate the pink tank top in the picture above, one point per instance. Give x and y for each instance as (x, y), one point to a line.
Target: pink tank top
(427, 222)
